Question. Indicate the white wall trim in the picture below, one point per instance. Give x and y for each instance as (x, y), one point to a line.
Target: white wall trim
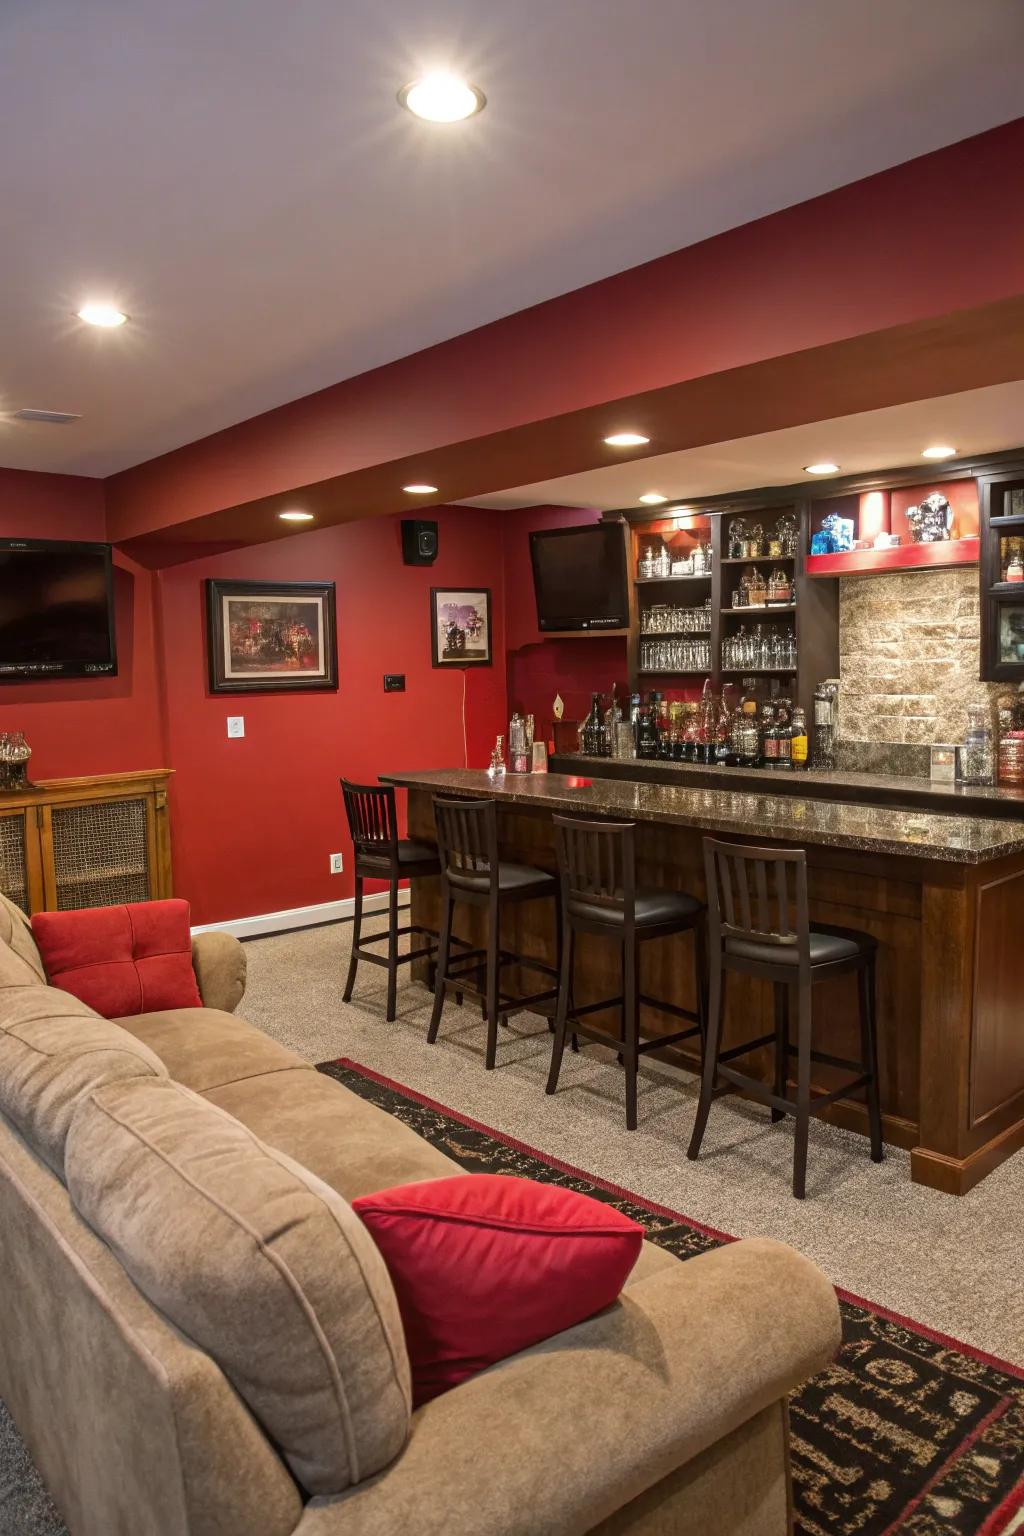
(299, 917)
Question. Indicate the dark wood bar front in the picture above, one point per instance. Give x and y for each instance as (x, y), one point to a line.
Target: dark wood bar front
(941, 894)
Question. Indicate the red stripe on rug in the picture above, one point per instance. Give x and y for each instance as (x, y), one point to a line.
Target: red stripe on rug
(932, 1334)
(950, 1461)
(1000, 1518)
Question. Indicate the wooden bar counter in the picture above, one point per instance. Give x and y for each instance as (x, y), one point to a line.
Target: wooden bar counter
(943, 894)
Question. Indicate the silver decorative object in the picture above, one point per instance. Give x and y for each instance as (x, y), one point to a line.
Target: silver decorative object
(14, 755)
(931, 521)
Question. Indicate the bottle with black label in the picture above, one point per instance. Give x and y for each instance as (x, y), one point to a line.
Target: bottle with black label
(646, 733)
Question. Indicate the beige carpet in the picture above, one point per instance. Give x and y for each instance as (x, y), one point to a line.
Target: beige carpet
(952, 1264)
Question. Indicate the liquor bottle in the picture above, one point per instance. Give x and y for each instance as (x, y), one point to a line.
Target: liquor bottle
(769, 740)
(747, 736)
(826, 723)
(798, 743)
(784, 737)
(646, 734)
(496, 770)
(517, 744)
(590, 735)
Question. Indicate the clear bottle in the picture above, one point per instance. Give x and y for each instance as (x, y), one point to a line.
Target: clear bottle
(769, 740)
(826, 723)
(497, 764)
(747, 731)
(977, 758)
(592, 733)
(783, 736)
(517, 744)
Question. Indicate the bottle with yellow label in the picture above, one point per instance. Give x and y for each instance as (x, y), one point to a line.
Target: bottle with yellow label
(798, 740)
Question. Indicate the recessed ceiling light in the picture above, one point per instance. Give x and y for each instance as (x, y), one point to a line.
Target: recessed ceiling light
(108, 316)
(296, 517)
(939, 451)
(653, 498)
(824, 468)
(626, 440)
(420, 490)
(442, 98)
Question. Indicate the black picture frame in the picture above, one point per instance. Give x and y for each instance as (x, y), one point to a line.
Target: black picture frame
(228, 674)
(472, 653)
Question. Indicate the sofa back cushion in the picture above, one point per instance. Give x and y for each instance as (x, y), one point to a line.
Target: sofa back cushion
(257, 1261)
(53, 1050)
(121, 960)
(20, 962)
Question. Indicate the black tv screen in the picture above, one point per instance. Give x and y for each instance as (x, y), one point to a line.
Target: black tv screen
(56, 610)
(579, 577)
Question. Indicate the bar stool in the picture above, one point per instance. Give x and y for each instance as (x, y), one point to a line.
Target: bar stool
(471, 872)
(380, 854)
(750, 902)
(597, 868)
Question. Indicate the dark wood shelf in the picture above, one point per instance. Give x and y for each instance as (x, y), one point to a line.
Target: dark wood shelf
(756, 559)
(584, 634)
(764, 608)
(650, 581)
(673, 671)
(760, 671)
(674, 634)
(1007, 520)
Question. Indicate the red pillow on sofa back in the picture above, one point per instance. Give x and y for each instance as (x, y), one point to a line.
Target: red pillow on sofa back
(485, 1265)
(121, 960)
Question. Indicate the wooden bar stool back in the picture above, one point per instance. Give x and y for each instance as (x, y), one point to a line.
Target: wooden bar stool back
(473, 872)
(380, 854)
(597, 870)
(759, 926)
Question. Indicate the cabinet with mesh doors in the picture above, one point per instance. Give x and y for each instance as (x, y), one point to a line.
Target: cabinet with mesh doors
(91, 842)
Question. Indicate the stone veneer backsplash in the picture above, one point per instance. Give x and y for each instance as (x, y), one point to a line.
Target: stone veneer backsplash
(909, 647)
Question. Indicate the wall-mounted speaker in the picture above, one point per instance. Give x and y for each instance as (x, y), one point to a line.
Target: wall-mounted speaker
(419, 541)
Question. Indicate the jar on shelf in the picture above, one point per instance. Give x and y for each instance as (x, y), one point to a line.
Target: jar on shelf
(738, 539)
(663, 561)
(1015, 568)
(755, 541)
(976, 761)
(646, 568)
(757, 591)
(785, 529)
(780, 587)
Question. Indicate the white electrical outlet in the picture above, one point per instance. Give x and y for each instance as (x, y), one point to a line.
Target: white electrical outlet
(236, 726)
(337, 864)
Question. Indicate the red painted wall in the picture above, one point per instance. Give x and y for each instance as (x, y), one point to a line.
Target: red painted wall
(254, 820)
(85, 725)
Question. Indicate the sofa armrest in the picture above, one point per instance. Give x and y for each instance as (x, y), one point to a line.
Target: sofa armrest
(560, 1437)
(218, 960)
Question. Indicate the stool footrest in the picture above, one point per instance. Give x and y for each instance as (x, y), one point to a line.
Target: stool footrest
(825, 1060)
(761, 1091)
(674, 1009)
(749, 1045)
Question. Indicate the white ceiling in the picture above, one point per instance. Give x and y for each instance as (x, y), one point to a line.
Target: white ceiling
(975, 422)
(237, 176)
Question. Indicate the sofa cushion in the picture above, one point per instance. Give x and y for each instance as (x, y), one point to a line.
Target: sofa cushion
(205, 1048)
(349, 1143)
(121, 960)
(54, 1050)
(21, 964)
(485, 1265)
(260, 1263)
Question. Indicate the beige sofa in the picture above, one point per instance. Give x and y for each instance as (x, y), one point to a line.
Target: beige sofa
(664, 1414)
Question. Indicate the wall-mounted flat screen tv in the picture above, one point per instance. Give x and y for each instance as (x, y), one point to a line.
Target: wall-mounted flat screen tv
(579, 577)
(56, 610)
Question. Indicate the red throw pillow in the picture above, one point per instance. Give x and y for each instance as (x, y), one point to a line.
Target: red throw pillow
(121, 960)
(484, 1266)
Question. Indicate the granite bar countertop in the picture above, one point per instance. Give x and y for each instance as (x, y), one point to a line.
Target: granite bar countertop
(894, 789)
(800, 819)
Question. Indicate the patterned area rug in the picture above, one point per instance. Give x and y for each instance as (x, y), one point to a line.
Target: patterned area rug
(907, 1431)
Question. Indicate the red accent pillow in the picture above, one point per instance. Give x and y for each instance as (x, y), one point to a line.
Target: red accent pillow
(485, 1265)
(121, 960)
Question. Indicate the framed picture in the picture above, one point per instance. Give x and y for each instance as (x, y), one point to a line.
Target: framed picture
(271, 636)
(460, 627)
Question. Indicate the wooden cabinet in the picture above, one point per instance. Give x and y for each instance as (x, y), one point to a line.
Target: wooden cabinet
(91, 842)
(1002, 574)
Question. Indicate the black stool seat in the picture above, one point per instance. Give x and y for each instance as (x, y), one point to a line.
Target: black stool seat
(520, 878)
(653, 907)
(760, 927)
(825, 949)
(600, 897)
(407, 852)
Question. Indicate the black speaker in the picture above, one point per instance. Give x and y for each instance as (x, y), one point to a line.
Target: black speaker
(419, 541)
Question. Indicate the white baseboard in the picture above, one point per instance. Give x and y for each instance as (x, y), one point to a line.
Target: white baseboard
(299, 917)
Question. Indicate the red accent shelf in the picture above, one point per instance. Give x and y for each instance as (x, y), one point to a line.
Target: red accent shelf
(904, 557)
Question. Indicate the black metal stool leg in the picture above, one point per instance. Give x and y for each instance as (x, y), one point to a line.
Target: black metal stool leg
(716, 1008)
(700, 963)
(781, 991)
(357, 931)
(561, 1011)
(631, 1026)
(491, 996)
(392, 950)
(803, 1091)
(444, 946)
(869, 1054)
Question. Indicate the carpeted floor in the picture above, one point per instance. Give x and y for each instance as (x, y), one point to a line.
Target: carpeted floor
(906, 1432)
(952, 1264)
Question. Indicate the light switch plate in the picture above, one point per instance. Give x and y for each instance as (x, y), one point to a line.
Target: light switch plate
(236, 726)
